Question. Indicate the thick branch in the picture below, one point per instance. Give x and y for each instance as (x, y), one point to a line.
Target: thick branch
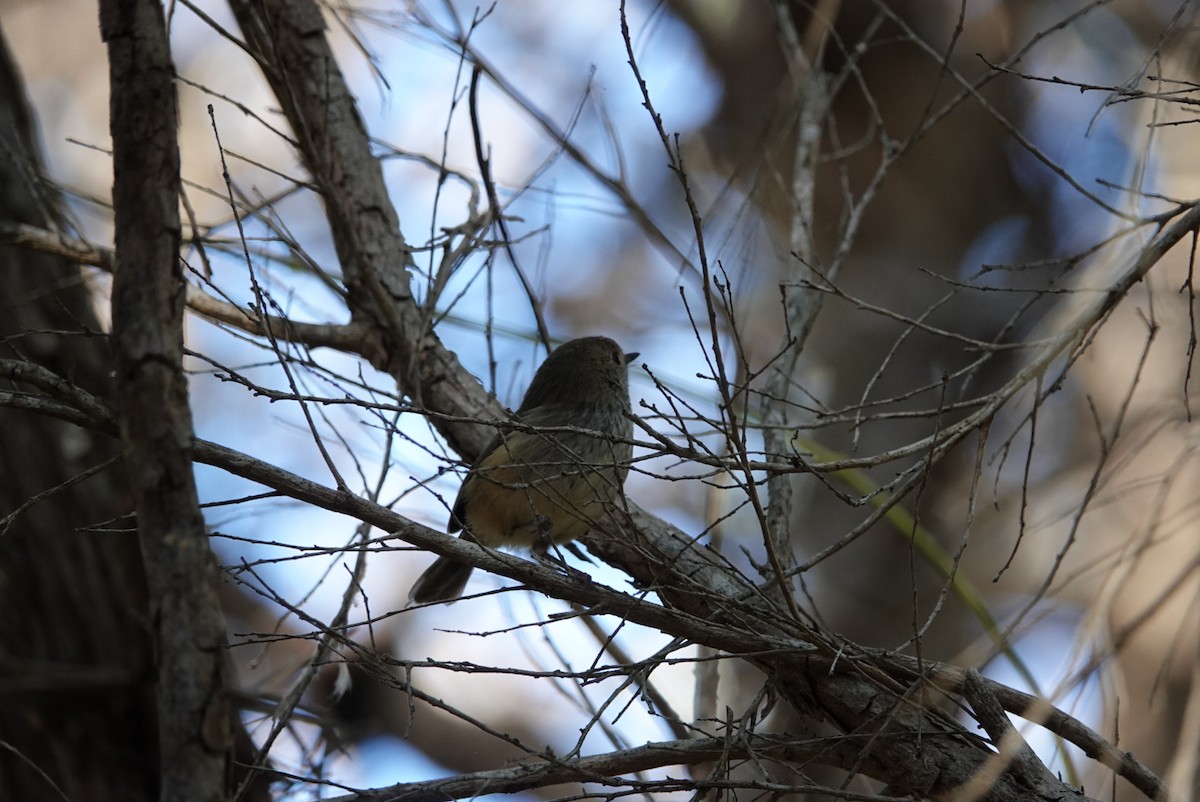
(288, 39)
(155, 420)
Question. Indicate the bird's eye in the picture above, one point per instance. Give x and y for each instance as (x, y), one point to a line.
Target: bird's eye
(616, 355)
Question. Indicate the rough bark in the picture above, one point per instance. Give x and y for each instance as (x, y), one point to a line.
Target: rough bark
(288, 39)
(195, 736)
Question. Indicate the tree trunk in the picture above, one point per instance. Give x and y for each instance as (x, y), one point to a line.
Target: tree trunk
(77, 711)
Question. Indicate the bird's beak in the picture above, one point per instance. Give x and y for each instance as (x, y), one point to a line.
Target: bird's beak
(630, 357)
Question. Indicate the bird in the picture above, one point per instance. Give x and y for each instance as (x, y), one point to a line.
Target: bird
(541, 485)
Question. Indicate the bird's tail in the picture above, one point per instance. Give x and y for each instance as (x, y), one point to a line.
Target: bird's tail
(443, 581)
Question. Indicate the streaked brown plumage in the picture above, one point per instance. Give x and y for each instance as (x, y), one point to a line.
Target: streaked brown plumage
(532, 489)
